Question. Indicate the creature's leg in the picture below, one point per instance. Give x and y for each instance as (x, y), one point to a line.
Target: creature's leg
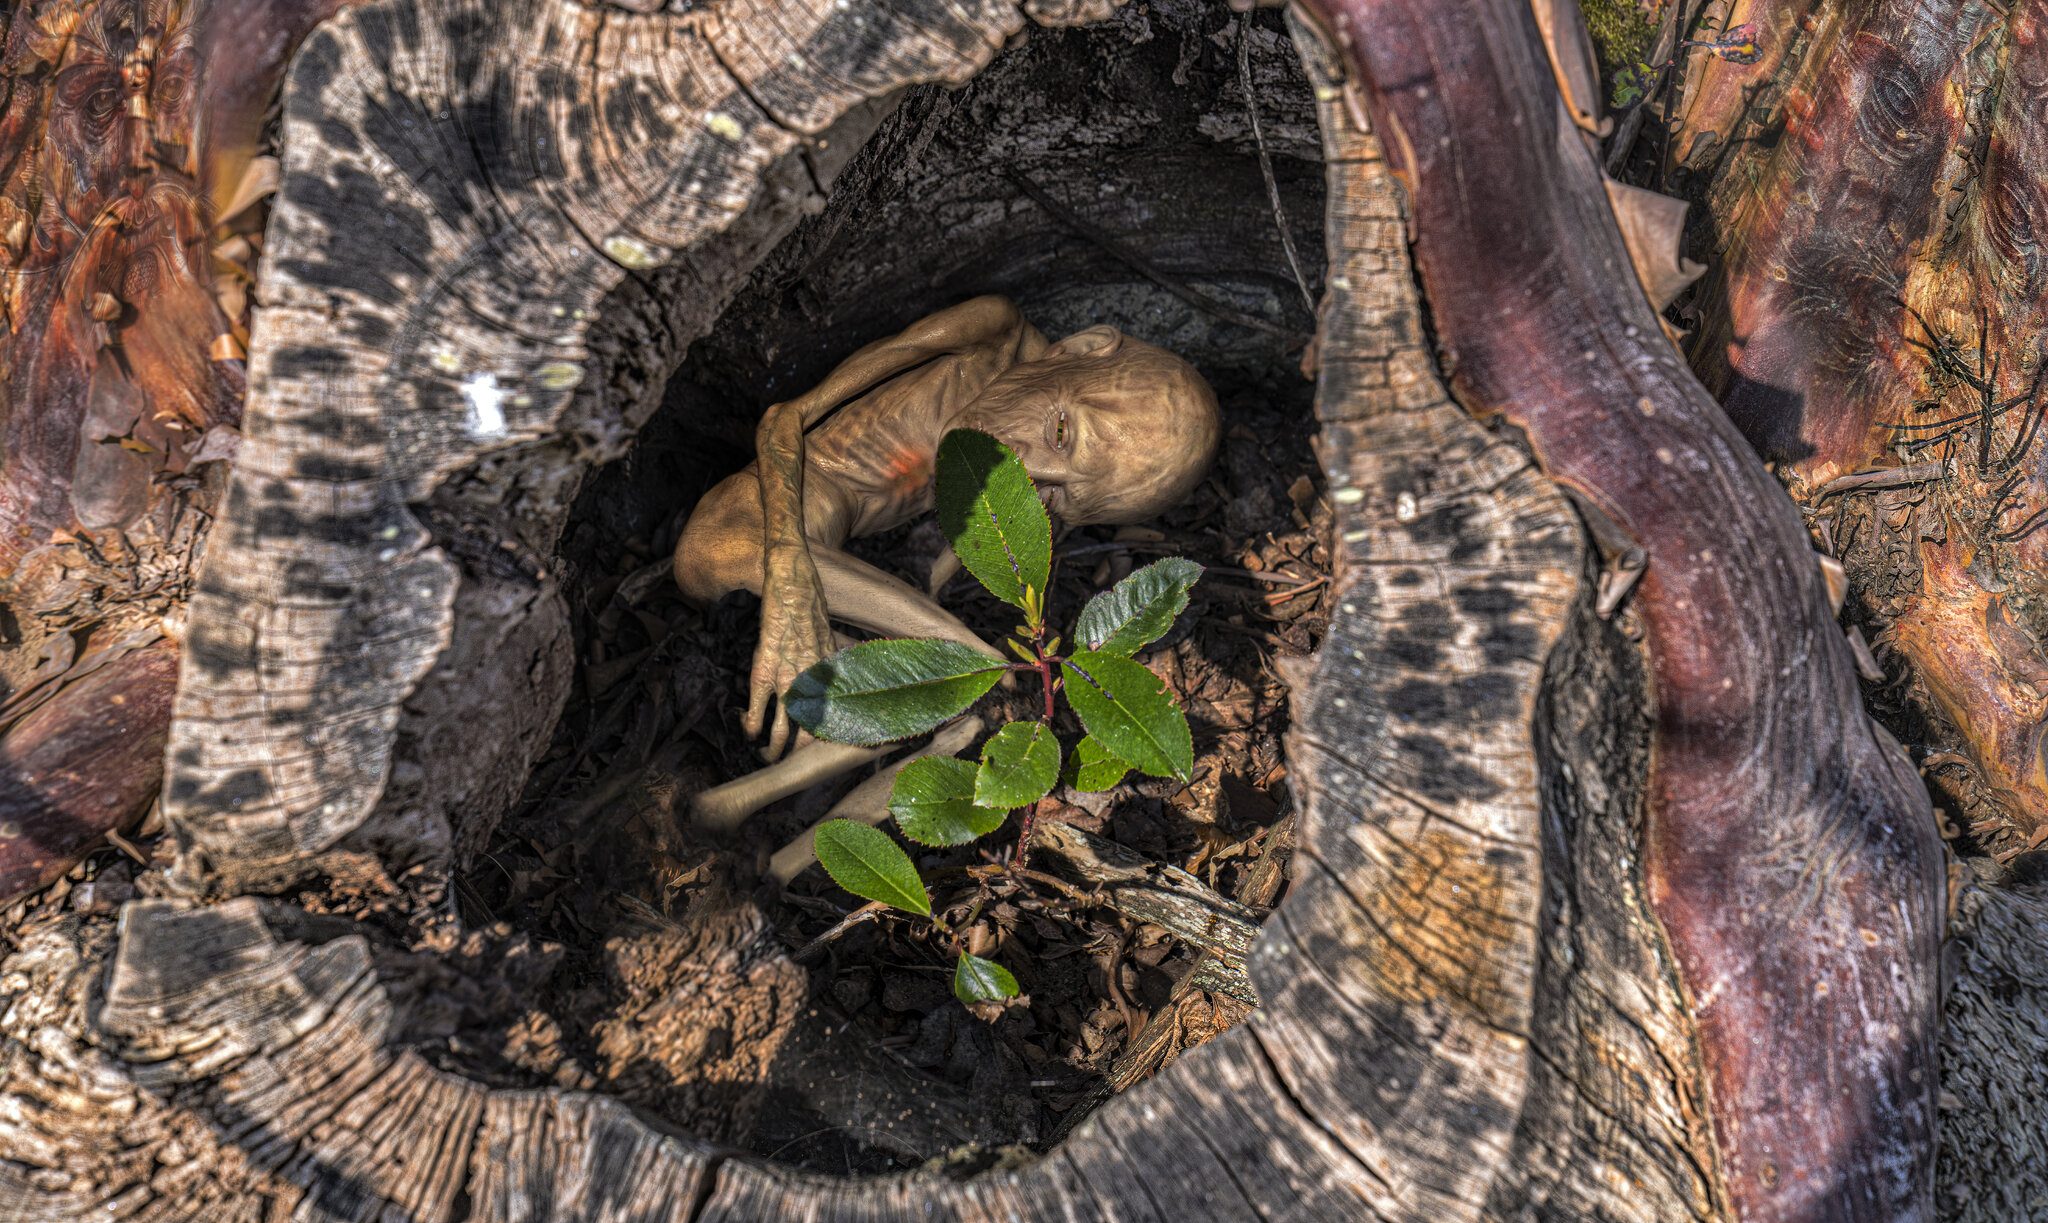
(860, 594)
(728, 806)
(868, 802)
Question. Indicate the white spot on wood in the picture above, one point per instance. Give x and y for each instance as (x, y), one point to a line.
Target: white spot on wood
(1405, 508)
(486, 404)
(629, 251)
(725, 126)
(446, 360)
(559, 375)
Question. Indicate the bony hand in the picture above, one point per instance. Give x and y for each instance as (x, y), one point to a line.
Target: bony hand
(795, 633)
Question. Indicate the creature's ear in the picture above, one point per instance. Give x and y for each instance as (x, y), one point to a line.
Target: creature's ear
(1097, 341)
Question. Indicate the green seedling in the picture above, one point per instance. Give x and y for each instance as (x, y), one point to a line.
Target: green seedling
(882, 691)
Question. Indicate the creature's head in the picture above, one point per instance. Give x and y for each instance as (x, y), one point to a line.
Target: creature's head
(1113, 429)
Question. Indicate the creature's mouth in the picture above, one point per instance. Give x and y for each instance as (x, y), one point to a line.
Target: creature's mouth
(1053, 497)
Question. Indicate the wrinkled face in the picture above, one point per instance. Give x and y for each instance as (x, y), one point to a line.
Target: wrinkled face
(1112, 429)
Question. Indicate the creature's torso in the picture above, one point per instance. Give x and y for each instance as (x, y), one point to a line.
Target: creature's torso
(868, 467)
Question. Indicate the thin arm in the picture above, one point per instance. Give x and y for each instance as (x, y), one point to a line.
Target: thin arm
(794, 630)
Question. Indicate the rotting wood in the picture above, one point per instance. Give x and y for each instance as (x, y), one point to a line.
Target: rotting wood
(1899, 329)
(1383, 1074)
(120, 373)
(84, 764)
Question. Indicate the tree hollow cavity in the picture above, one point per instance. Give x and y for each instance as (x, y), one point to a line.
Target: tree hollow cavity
(1110, 174)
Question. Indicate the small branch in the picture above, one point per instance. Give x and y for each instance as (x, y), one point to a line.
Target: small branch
(1251, 110)
(867, 912)
(1883, 477)
(1260, 575)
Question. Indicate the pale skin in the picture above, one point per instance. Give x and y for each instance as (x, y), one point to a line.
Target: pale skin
(1112, 430)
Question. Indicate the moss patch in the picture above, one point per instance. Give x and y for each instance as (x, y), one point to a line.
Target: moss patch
(1623, 31)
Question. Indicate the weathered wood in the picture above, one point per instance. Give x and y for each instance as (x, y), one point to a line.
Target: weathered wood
(1471, 1009)
(1788, 849)
(120, 378)
(462, 138)
(1995, 1050)
(1386, 1072)
(1164, 896)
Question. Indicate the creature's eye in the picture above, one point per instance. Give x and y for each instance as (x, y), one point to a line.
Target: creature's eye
(1059, 429)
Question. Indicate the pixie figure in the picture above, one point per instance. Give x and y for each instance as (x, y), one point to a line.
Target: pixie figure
(1112, 430)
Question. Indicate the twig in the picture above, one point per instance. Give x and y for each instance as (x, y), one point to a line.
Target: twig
(1143, 266)
(1120, 545)
(1251, 110)
(867, 912)
(1163, 896)
(1282, 596)
(1883, 477)
(1261, 575)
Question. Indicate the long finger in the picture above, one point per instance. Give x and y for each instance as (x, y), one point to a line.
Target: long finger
(757, 710)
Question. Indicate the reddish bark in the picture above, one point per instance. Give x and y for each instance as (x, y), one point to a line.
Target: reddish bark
(119, 368)
(1788, 848)
(1882, 292)
(83, 765)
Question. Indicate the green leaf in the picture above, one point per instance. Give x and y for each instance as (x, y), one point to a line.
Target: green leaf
(933, 802)
(990, 511)
(1138, 609)
(1094, 767)
(879, 691)
(979, 980)
(1019, 765)
(866, 862)
(1128, 710)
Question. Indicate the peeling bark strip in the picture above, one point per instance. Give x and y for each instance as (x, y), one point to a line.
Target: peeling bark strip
(1789, 851)
(464, 182)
